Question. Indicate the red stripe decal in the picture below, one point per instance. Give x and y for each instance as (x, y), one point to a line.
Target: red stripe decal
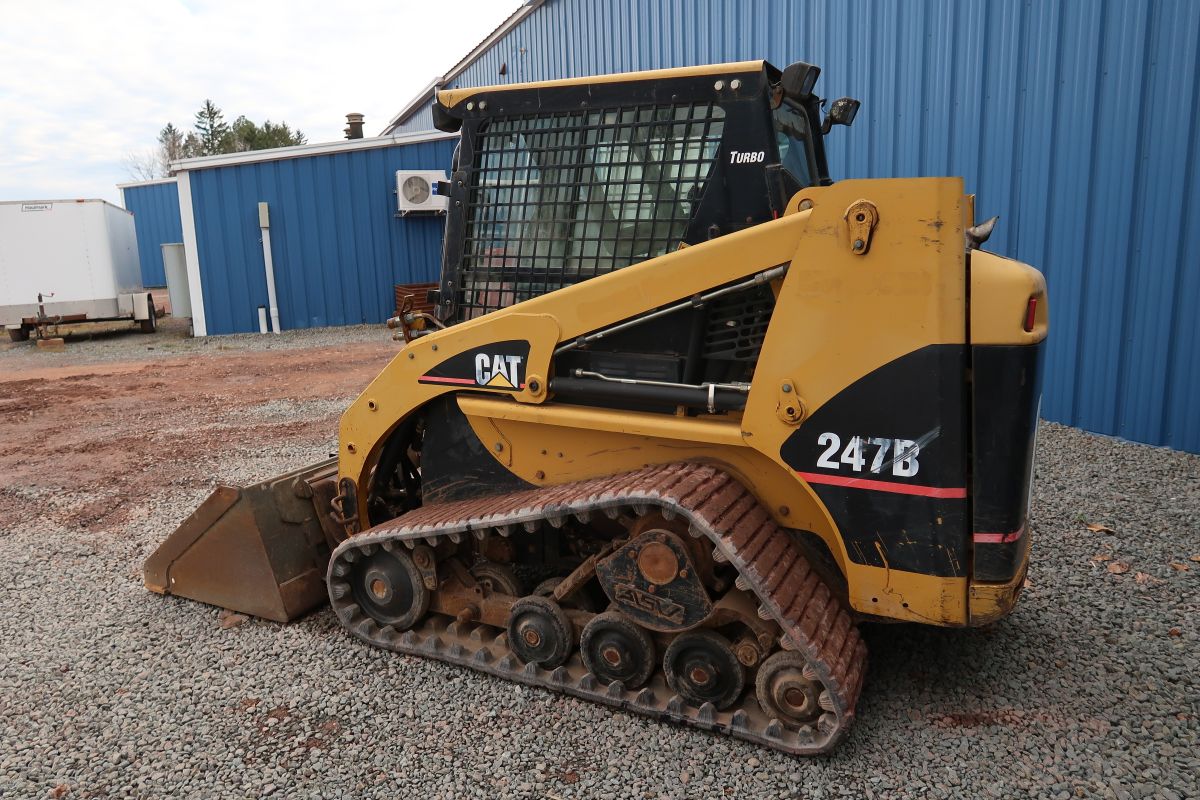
(884, 486)
(999, 538)
(435, 379)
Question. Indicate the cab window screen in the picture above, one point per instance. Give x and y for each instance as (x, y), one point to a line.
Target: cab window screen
(561, 198)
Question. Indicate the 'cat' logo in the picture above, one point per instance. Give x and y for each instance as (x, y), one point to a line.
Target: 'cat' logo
(496, 365)
(501, 371)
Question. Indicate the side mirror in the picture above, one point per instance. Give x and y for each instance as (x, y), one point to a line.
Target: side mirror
(798, 80)
(842, 112)
(443, 120)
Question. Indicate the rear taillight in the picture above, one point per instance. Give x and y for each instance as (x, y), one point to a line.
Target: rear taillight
(1030, 313)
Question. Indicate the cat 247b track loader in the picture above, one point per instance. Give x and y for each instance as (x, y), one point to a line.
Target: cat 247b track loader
(686, 411)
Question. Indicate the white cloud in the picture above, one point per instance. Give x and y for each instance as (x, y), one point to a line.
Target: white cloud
(84, 84)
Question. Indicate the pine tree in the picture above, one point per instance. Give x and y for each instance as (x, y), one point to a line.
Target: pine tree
(211, 130)
(211, 135)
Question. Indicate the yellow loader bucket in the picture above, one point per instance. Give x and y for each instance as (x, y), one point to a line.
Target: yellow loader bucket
(260, 550)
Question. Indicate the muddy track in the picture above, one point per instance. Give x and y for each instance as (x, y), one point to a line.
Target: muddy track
(768, 560)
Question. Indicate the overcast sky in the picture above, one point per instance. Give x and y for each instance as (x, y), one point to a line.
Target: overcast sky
(84, 84)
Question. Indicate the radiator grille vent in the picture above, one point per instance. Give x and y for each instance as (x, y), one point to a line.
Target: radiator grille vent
(737, 325)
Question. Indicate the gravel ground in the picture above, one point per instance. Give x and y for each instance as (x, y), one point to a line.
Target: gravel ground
(1089, 689)
(108, 342)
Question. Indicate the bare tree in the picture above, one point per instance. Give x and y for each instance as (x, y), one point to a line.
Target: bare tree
(145, 166)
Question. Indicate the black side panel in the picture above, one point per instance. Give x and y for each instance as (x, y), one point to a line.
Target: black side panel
(454, 464)
(887, 456)
(1008, 391)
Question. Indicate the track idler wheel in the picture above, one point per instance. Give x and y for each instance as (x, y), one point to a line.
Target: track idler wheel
(615, 649)
(788, 690)
(539, 632)
(387, 586)
(701, 667)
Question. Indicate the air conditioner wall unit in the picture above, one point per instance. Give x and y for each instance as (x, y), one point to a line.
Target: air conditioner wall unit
(417, 192)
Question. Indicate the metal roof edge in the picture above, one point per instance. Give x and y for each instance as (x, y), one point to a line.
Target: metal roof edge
(426, 94)
(135, 184)
(62, 201)
(306, 150)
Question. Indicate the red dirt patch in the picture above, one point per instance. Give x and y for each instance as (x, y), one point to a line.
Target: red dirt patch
(123, 429)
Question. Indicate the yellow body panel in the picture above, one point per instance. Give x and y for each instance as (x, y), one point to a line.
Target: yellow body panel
(989, 602)
(994, 278)
(842, 311)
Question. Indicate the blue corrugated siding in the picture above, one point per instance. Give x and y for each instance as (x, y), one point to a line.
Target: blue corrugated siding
(155, 208)
(336, 243)
(1075, 120)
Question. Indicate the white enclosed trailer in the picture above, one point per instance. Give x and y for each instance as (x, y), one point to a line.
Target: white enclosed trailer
(79, 255)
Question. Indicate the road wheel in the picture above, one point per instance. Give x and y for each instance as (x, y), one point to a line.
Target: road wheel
(539, 632)
(788, 689)
(701, 667)
(149, 325)
(615, 649)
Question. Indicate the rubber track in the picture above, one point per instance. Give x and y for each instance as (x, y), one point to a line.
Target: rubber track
(769, 562)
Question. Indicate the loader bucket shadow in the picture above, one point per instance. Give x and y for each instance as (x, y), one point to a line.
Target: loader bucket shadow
(260, 550)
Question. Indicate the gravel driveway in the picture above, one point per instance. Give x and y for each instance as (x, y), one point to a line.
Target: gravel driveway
(1090, 689)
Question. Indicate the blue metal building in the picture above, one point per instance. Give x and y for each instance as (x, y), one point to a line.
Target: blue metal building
(155, 207)
(1074, 120)
(337, 245)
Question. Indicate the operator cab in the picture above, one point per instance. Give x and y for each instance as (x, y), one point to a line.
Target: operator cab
(562, 181)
